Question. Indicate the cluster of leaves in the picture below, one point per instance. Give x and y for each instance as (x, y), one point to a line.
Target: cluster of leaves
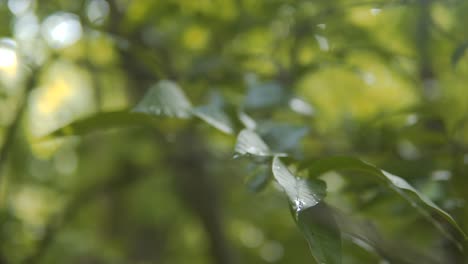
(317, 220)
(385, 81)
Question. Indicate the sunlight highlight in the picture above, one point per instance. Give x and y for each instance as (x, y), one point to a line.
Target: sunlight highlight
(61, 30)
(97, 11)
(33, 205)
(18, 7)
(65, 93)
(196, 38)
(8, 57)
(53, 98)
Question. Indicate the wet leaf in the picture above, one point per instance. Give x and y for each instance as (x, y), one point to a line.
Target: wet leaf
(282, 137)
(165, 98)
(302, 193)
(321, 231)
(260, 96)
(249, 142)
(214, 116)
(313, 218)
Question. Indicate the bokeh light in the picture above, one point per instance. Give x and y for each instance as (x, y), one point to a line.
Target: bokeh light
(8, 57)
(18, 7)
(61, 30)
(64, 94)
(9, 64)
(97, 11)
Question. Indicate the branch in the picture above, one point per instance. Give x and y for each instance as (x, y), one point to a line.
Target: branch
(14, 126)
(199, 192)
(124, 179)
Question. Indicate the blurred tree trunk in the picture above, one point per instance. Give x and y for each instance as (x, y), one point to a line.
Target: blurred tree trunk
(198, 190)
(430, 94)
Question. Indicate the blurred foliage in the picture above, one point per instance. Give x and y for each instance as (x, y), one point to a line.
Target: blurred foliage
(182, 131)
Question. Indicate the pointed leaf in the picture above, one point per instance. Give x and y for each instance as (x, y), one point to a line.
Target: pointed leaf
(165, 99)
(248, 142)
(365, 234)
(302, 193)
(260, 96)
(425, 206)
(101, 121)
(247, 121)
(321, 231)
(282, 137)
(260, 178)
(214, 116)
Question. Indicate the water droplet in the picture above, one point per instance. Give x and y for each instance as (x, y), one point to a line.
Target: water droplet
(252, 149)
(299, 205)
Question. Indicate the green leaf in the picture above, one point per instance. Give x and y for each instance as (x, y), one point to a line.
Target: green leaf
(302, 193)
(425, 206)
(282, 137)
(321, 231)
(247, 121)
(260, 178)
(313, 218)
(165, 98)
(260, 96)
(214, 116)
(101, 121)
(248, 142)
(365, 234)
(459, 53)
